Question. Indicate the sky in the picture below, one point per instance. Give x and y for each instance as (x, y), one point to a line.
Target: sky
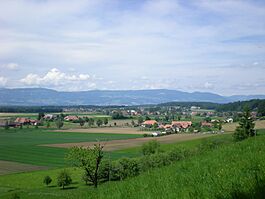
(201, 45)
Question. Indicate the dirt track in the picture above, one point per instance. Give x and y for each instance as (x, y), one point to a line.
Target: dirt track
(112, 130)
(129, 143)
(7, 167)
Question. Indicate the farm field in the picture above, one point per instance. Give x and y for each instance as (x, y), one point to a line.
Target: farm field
(135, 142)
(112, 130)
(7, 167)
(21, 145)
(230, 127)
(216, 173)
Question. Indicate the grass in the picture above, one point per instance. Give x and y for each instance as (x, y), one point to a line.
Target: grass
(21, 145)
(236, 170)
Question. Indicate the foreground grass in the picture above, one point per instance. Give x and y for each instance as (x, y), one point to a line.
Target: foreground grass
(232, 171)
(21, 145)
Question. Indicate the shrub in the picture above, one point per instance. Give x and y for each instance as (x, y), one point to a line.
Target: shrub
(64, 179)
(47, 180)
(239, 134)
(128, 168)
(151, 147)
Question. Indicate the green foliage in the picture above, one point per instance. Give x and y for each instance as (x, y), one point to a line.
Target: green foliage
(91, 122)
(81, 122)
(246, 127)
(89, 159)
(118, 115)
(140, 120)
(64, 179)
(47, 180)
(15, 196)
(151, 147)
(59, 123)
(99, 122)
(105, 121)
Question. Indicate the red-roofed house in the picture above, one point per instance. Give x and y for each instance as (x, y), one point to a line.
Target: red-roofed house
(149, 123)
(71, 118)
(181, 124)
(22, 120)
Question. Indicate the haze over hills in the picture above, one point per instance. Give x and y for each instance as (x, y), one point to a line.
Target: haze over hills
(42, 97)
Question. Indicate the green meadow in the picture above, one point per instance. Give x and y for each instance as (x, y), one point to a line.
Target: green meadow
(232, 170)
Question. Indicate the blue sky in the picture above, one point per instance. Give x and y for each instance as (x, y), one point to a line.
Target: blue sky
(213, 46)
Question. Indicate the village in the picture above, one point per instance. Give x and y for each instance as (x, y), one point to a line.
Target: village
(151, 121)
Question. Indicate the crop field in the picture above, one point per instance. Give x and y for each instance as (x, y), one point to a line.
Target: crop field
(7, 167)
(21, 145)
(111, 130)
(113, 145)
(230, 127)
(216, 173)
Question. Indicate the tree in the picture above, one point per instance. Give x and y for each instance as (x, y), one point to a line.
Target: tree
(6, 125)
(81, 122)
(106, 121)
(99, 122)
(140, 120)
(151, 147)
(91, 122)
(88, 159)
(40, 116)
(246, 126)
(48, 124)
(47, 180)
(59, 123)
(133, 123)
(64, 179)
(155, 126)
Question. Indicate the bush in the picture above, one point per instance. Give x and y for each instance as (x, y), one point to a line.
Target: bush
(47, 180)
(128, 168)
(64, 179)
(239, 134)
(151, 147)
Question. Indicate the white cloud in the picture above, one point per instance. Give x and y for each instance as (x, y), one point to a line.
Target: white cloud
(9, 66)
(208, 85)
(3, 81)
(54, 77)
(157, 40)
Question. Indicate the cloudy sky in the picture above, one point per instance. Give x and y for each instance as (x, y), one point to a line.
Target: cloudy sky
(216, 46)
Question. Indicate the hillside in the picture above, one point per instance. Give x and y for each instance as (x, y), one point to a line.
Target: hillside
(41, 97)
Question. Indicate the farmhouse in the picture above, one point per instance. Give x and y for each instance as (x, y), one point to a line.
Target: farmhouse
(22, 120)
(149, 123)
(49, 116)
(71, 118)
(181, 124)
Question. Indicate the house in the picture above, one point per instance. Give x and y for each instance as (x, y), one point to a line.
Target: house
(149, 123)
(34, 122)
(22, 120)
(181, 124)
(229, 120)
(49, 116)
(206, 124)
(71, 118)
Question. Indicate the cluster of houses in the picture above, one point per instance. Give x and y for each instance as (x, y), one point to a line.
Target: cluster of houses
(175, 126)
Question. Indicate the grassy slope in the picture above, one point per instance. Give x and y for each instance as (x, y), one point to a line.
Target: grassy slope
(21, 145)
(213, 174)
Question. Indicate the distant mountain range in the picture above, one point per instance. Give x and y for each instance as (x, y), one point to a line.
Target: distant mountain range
(42, 97)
